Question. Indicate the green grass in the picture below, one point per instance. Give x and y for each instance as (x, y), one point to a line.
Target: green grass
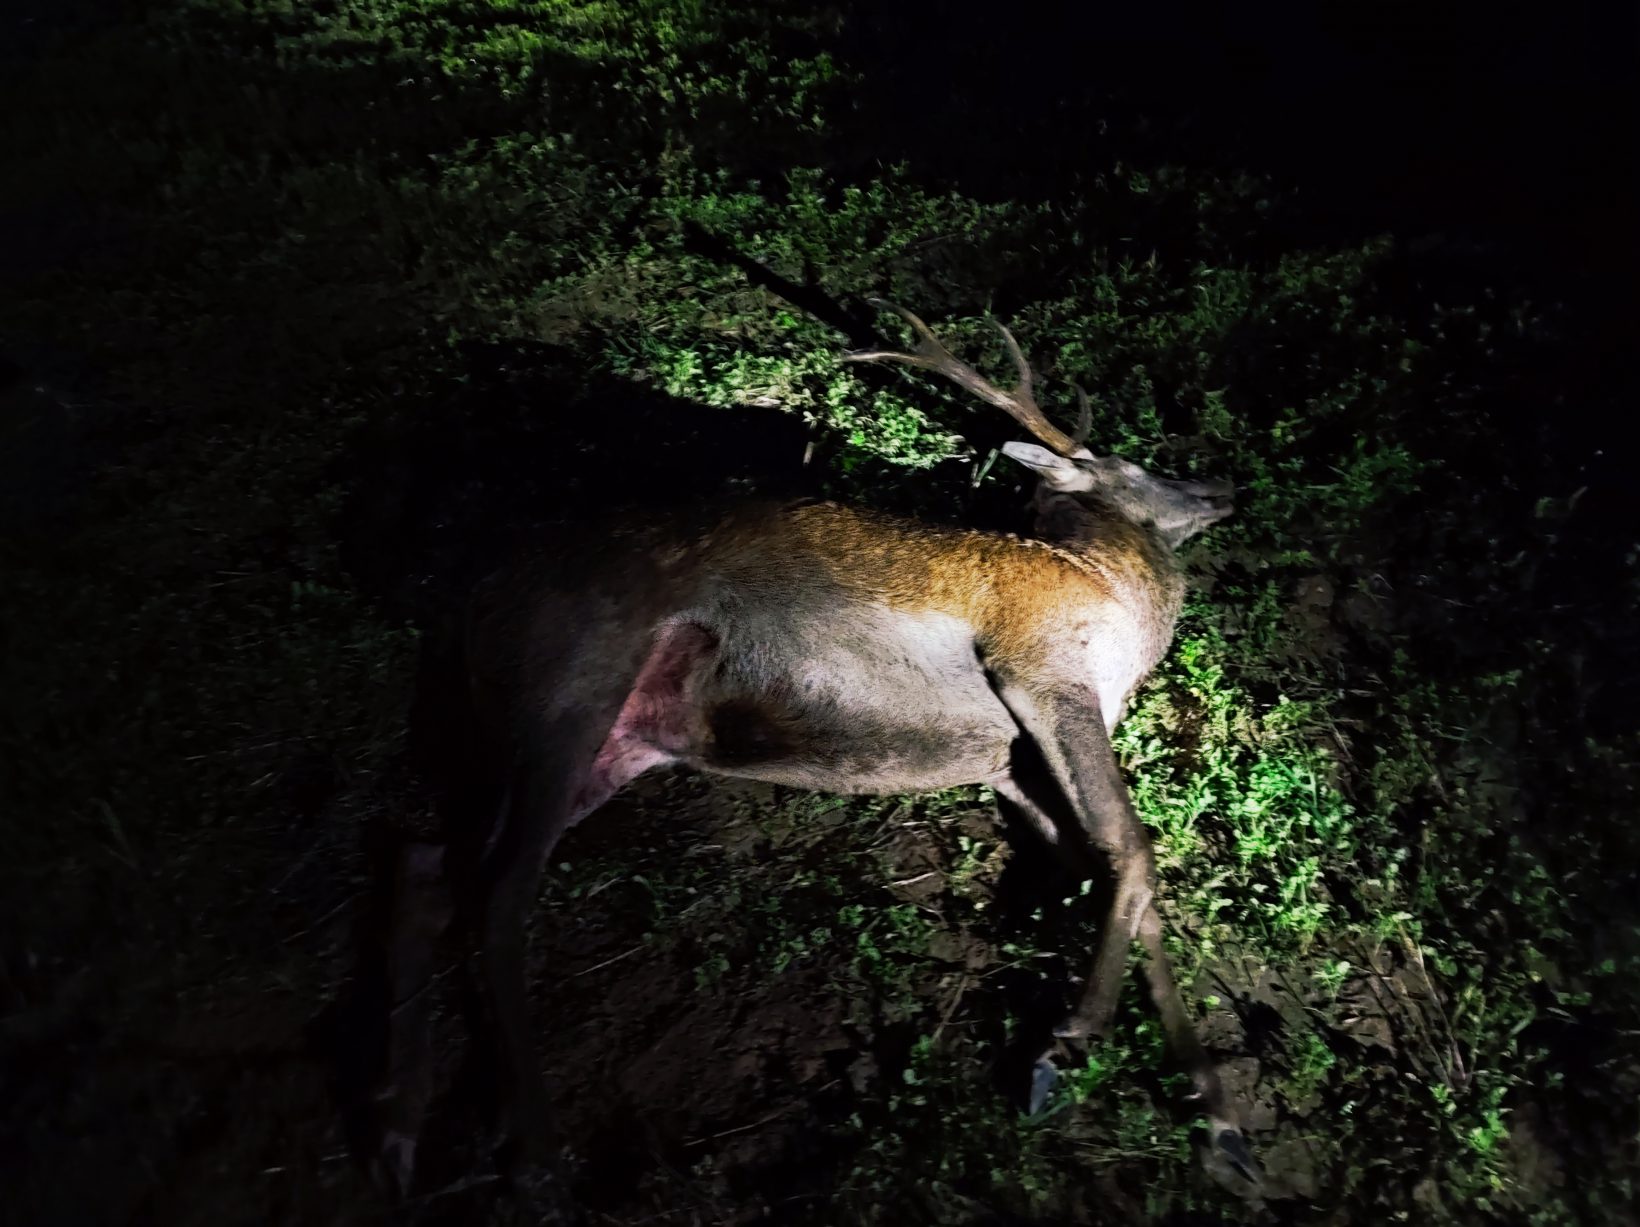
(308, 226)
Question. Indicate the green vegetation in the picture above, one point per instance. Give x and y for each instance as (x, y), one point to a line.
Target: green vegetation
(274, 234)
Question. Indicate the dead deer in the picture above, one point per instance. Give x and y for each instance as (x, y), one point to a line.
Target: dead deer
(828, 647)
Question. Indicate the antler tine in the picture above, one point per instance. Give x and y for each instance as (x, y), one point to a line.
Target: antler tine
(1084, 416)
(1024, 391)
(930, 355)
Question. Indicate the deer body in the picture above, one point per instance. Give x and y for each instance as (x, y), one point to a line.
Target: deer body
(828, 647)
(823, 646)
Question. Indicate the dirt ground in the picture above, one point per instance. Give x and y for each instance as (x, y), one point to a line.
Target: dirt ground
(726, 1101)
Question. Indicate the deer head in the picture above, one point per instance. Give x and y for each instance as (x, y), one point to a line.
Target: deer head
(1174, 510)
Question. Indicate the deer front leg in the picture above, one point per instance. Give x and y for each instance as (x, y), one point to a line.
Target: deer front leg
(1131, 897)
(1066, 725)
(1130, 902)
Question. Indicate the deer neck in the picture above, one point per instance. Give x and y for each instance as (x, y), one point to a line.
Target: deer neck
(1132, 559)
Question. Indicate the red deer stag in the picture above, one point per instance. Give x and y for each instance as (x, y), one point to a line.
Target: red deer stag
(829, 647)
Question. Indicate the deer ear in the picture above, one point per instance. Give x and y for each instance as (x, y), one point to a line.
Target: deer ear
(1050, 466)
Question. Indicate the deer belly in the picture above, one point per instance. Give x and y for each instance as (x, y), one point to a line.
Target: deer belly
(871, 708)
(864, 753)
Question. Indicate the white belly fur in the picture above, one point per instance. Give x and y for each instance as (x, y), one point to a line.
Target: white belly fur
(867, 700)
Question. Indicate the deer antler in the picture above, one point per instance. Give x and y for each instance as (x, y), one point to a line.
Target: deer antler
(1084, 416)
(1019, 404)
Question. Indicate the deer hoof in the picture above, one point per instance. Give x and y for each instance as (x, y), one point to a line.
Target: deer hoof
(541, 1186)
(394, 1164)
(1230, 1161)
(1044, 1077)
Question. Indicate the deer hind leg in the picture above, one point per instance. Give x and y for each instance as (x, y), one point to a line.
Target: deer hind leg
(395, 979)
(548, 795)
(568, 765)
(537, 813)
(571, 770)
(431, 884)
